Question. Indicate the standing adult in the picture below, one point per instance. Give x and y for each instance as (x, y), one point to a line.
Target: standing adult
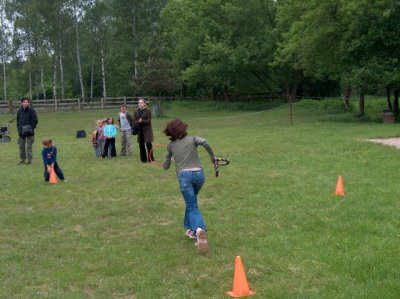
(142, 117)
(125, 120)
(27, 121)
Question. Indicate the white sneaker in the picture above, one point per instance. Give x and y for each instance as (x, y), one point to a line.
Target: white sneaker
(65, 180)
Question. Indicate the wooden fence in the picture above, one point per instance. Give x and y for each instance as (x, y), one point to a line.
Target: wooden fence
(79, 104)
(76, 104)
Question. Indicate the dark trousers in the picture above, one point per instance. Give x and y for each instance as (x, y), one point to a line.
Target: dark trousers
(106, 145)
(144, 156)
(57, 170)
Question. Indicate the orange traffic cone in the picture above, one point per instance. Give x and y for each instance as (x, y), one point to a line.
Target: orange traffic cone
(339, 187)
(240, 286)
(53, 178)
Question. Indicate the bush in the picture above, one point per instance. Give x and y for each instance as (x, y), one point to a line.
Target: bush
(231, 106)
(332, 106)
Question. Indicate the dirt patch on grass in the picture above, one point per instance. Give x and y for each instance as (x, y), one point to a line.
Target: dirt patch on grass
(389, 141)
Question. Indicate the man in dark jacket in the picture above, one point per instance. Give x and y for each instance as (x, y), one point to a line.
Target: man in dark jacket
(26, 123)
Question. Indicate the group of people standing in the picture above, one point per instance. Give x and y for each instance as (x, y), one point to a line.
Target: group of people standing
(181, 147)
(103, 137)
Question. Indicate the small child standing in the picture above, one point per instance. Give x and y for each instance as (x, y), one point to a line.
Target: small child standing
(49, 155)
(110, 131)
(105, 123)
(98, 139)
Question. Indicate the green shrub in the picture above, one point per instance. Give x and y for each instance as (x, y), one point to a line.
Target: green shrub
(335, 106)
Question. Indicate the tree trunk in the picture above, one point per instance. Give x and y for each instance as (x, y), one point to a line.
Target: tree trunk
(297, 79)
(35, 68)
(103, 70)
(60, 49)
(62, 75)
(226, 93)
(3, 58)
(361, 104)
(55, 75)
(286, 92)
(92, 77)
(36, 84)
(290, 95)
(389, 102)
(42, 75)
(135, 40)
(30, 80)
(4, 78)
(29, 66)
(78, 54)
(396, 102)
(183, 91)
(347, 94)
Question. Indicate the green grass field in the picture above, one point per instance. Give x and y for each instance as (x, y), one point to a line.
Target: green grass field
(115, 229)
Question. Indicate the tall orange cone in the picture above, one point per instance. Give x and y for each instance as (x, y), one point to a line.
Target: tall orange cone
(240, 286)
(53, 178)
(339, 187)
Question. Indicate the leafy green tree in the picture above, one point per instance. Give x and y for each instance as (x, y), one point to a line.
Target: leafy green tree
(222, 44)
(354, 41)
(370, 46)
(98, 20)
(309, 37)
(135, 38)
(156, 77)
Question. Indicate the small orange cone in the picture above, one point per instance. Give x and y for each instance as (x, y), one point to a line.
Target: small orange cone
(240, 286)
(53, 178)
(339, 187)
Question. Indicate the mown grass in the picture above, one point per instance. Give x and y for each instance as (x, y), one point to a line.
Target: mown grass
(115, 229)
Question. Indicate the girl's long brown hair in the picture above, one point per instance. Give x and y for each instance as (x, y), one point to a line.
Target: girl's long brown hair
(175, 129)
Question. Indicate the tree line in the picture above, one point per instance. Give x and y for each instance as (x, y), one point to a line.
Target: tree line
(214, 48)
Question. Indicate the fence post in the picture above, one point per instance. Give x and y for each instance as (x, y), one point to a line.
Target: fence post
(79, 104)
(125, 100)
(10, 106)
(101, 101)
(55, 105)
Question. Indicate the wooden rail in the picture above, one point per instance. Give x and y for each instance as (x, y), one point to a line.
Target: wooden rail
(75, 104)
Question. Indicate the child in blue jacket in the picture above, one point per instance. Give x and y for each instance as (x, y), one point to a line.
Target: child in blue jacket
(49, 155)
(110, 131)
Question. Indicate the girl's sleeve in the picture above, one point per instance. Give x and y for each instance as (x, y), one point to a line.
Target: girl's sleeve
(44, 158)
(54, 159)
(167, 159)
(205, 144)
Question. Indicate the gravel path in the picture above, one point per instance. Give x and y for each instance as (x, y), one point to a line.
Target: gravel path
(390, 141)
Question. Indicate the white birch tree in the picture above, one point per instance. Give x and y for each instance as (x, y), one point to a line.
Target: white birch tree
(4, 45)
(98, 22)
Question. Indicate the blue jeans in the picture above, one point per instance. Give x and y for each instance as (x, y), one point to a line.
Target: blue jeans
(57, 170)
(190, 183)
(97, 151)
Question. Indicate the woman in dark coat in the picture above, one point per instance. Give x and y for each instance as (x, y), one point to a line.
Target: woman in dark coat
(142, 117)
